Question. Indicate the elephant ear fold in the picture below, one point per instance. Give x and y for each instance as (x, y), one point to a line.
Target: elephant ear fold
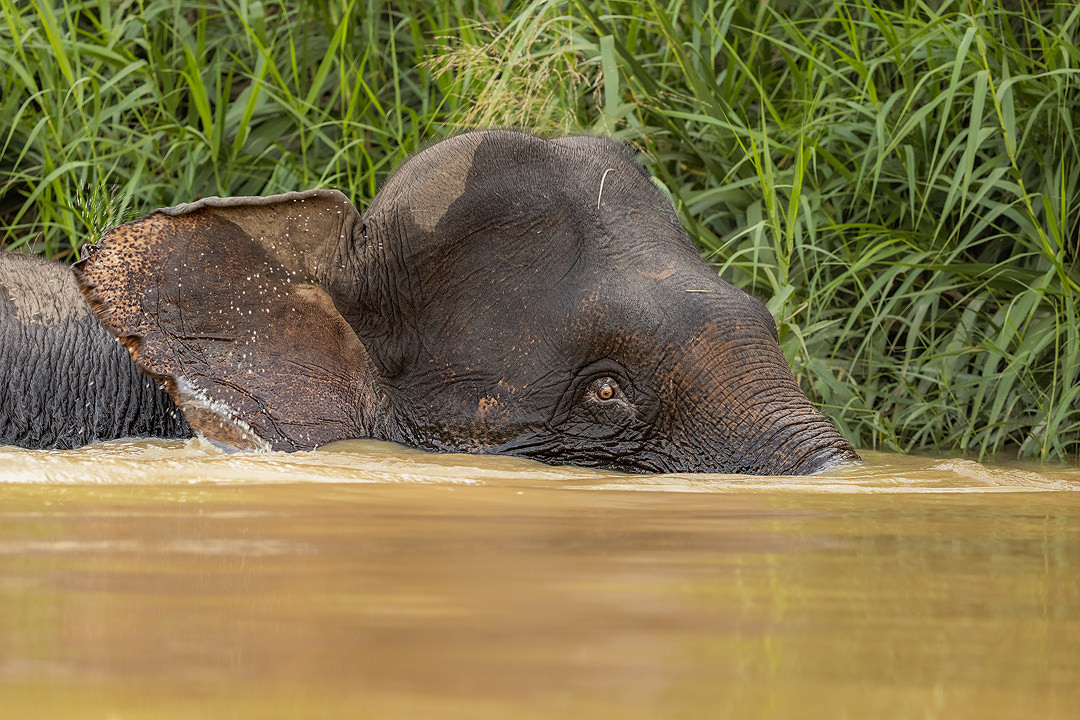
(225, 302)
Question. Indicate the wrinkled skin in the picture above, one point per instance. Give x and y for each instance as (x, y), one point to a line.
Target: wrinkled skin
(502, 294)
(64, 380)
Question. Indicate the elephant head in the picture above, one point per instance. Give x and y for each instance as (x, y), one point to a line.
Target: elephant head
(502, 294)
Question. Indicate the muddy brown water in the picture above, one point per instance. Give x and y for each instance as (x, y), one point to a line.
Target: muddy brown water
(166, 580)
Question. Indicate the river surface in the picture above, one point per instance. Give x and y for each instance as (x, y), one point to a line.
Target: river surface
(166, 580)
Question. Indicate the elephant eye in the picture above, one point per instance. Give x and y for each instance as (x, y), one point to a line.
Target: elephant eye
(606, 389)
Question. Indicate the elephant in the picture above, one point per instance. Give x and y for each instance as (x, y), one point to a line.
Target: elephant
(502, 293)
(64, 380)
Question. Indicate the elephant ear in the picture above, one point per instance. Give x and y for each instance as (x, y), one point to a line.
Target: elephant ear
(224, 302)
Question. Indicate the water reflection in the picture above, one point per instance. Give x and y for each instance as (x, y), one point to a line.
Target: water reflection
(168, 580)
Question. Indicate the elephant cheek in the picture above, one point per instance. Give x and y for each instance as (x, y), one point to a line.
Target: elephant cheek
(442, 422)
(489, 422)
(488, 406)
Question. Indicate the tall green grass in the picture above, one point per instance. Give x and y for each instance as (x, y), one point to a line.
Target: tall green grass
(901, 185)
(900, 182)
(113, 108)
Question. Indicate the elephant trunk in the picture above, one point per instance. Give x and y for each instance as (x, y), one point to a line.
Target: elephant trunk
(801, 442)
(760, 422)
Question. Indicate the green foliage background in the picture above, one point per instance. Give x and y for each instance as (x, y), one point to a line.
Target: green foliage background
(899, 181)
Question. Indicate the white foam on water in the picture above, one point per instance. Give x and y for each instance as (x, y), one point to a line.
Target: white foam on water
(137, 462)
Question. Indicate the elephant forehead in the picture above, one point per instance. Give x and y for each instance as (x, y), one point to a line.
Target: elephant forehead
(669, 310)
(428, 209)
(429, 183)
(584, 294)
(503, 177)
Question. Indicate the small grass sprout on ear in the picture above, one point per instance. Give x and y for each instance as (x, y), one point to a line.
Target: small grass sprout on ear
(100, 208)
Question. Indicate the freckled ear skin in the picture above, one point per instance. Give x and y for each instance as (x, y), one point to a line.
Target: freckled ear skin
(225, 301)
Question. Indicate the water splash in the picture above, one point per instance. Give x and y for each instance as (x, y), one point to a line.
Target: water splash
(138, 462)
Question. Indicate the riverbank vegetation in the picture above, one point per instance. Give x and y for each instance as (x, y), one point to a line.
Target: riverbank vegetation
(900, 182)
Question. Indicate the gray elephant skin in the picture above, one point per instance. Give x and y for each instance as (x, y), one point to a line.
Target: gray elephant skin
(64, 380)
(502, 293)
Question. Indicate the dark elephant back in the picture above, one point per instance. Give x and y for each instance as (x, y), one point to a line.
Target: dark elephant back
(64, 380)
